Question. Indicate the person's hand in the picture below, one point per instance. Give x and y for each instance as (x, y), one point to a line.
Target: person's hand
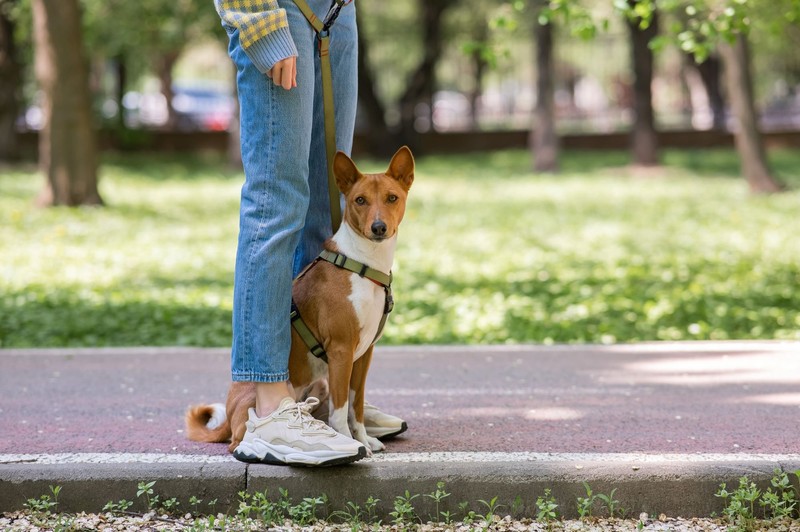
(284, 73)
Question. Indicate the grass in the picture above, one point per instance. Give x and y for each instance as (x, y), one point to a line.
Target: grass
(746, 508)
(489, 253)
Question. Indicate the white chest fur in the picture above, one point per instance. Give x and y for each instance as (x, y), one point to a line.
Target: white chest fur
(368, 298)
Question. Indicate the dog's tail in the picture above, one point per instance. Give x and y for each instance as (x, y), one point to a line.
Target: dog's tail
(208, 423)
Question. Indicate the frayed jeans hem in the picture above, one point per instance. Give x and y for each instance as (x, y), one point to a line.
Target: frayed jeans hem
(260, 377)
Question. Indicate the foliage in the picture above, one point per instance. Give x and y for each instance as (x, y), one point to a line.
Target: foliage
(258, 510)
(488, 253)
(778, 502)
(695, 25)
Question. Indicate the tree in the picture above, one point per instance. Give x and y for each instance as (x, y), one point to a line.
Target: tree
(725, 24)
(370, 104)
(702, 26)
(644, 138)
(710, 72)
(67, 145)
(422, 81)
(149, 35)
(749, 144)
(544, 139)
(10, 76)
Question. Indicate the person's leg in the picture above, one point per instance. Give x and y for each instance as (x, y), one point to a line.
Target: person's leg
(275, 136)
(276, 128)
(344, 69)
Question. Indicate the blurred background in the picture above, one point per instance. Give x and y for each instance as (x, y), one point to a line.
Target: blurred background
(464, 67)
(586, 171)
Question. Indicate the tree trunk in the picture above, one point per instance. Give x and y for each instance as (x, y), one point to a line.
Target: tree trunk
(423, 81)
(644, 139)
(378, 139)
(544, 140)
(10, 79)
(165, 65)
(749, 144)
(121, 76)
(67, 144)
(479, 70)
(710, 72)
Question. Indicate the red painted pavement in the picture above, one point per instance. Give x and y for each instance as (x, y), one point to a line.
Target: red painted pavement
(652, 398)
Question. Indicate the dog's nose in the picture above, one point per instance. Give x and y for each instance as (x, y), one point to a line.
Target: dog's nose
(378, 228)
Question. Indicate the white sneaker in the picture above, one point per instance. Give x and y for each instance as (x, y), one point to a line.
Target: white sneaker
(291, 436)
(380, 425)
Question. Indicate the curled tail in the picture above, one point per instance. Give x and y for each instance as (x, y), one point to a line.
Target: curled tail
(208, 423)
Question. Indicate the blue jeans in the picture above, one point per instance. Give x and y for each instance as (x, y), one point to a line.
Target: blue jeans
(284, 213)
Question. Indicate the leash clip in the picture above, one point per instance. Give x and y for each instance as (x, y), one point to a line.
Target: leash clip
(333, 14)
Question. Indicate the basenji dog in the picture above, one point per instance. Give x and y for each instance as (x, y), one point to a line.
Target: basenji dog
(342, 306)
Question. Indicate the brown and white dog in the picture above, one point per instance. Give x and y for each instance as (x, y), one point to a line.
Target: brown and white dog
(342, 309)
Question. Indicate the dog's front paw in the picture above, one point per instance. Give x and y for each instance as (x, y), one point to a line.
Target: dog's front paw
(375, 445)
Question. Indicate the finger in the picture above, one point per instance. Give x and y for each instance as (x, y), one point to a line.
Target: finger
(294, 73)
(287, 76)
(277, 73)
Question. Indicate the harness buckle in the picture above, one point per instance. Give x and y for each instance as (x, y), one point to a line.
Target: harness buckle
(389, 305)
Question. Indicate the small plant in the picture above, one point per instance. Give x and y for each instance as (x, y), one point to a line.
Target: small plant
(403, 509)
(194, 502)
(305, 513)
(586, 504)
(146, 489)
(546, 507)
(45, 503)
(45, 507)
(467, 516)
(170, 505)
(351, 514)
(739, 504)
(265, 510)
(492, 507)
(610, 503)
(438, 496)
(118, 507)
(354, 515)
(780, 499)
(516, 506)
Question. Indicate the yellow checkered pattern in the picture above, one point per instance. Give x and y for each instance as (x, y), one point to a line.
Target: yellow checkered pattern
(255, 19)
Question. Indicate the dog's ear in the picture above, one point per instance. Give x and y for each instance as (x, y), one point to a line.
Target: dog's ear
(345, 171)
(402, 167)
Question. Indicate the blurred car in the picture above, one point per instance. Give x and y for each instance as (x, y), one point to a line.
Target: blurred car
(202, 109)
(196, 109)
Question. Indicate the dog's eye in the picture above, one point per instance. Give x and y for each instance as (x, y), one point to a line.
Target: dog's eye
(361, 200)
(392, 198)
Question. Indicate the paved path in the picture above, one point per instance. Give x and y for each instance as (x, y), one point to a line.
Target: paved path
(734, 402)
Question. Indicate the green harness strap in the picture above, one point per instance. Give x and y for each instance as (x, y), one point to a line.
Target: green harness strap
(346, 263)
(322, 27)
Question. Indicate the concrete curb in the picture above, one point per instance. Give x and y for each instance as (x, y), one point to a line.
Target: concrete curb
(684, 489)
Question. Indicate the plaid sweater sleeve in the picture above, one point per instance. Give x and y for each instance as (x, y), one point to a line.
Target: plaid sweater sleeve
(263, 30)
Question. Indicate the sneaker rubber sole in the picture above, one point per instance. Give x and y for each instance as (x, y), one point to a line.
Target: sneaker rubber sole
(261, 452)
(383, 433)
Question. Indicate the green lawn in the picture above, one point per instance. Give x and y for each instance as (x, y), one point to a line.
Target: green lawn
(489, 253)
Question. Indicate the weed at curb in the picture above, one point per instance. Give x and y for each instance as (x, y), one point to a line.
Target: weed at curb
(747, 508)
(778, 503)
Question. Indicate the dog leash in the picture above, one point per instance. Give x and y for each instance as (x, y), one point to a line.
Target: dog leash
(342, 261)
(322, 28)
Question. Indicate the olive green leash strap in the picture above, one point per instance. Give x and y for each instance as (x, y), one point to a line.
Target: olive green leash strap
(322, 28)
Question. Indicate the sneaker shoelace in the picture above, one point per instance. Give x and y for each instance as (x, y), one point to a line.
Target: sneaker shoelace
(302, 412)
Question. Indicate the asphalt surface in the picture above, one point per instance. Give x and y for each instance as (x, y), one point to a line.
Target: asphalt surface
(663, 422)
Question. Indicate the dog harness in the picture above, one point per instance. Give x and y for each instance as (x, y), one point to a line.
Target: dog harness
(346, 263)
